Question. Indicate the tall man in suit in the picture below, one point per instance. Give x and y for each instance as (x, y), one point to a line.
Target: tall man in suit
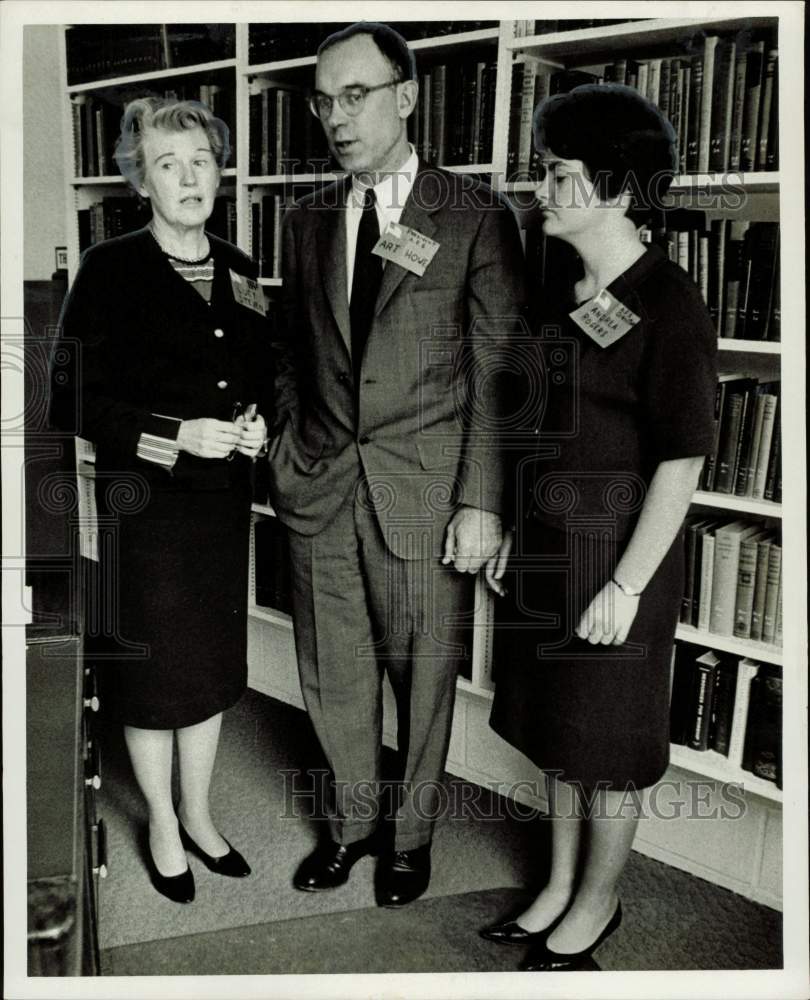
(385, 464)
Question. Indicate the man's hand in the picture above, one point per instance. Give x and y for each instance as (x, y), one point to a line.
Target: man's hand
(473, 536)
(208, 438)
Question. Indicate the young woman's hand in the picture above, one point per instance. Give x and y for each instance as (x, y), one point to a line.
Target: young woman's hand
(252, 434)
(608, 617)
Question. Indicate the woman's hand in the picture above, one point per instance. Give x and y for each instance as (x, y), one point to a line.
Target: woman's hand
(496, 566)
(252, 434)
(208, 438)
(608, 617)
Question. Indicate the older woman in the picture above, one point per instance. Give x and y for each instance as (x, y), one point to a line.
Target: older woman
(170, 330)
(597, 566)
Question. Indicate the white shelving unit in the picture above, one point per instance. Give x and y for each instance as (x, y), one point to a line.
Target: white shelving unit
(476, 753)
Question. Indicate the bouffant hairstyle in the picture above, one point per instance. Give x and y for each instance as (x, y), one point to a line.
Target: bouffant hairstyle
(624, 141)
(392, 45)
(173, 116)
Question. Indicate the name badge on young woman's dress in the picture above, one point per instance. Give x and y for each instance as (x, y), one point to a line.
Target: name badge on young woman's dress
(604, 318)
(248, 292)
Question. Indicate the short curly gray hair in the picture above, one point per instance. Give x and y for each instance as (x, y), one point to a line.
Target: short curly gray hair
(173, 116)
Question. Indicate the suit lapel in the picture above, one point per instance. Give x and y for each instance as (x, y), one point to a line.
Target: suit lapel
(416, 216)
(332, 262)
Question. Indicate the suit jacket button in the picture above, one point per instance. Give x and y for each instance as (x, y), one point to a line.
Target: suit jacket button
(365, 440)
(219, 333)
(222, 384)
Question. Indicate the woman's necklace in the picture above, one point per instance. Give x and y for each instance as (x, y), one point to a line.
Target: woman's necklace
(183, 260)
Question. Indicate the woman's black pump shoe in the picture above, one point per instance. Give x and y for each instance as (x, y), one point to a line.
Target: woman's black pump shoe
(542, 959)
(231, 864)
(177, 888)
(510, 932)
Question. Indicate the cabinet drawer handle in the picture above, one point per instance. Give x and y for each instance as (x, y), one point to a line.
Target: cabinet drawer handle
(92, 776)
(100, 868)
(92, 703)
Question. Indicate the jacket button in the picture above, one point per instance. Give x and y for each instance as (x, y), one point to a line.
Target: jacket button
(219, 333)
(343, 377)
(365, 440)
(222, 385)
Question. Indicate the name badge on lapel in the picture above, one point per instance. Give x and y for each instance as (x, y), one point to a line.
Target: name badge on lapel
(406, 247)
(604, 318)
(248, 292)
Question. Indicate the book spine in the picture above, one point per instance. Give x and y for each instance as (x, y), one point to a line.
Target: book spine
(708, 85)
(746, 671)
(723, 710)
(526, 112)
(722, 106)
(704, 690)
(768, 86)
(694, 114)
(771, 593)
(746, 473)
(765, 442)
(710, 468)
(735, 141)
(773, 463)
(77, 114)
(729, 436)
(689, 574)
(753, 90)
(760, 587)
(734, 268)
(724, 582)
(763, 278)
(664, 88)
(703, 265)
(744, 601)
(706, 582)
(437, 115)
(743, 442)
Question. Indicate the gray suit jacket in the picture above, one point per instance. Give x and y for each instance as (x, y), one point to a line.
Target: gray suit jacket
(432, 388)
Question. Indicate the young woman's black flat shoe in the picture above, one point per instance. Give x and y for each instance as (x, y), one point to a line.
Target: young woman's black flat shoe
(231, 864)
(542, 959)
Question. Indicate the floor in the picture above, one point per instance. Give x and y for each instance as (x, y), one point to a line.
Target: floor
(486, 856)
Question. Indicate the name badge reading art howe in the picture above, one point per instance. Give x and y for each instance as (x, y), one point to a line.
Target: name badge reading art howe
(604, 318)
(248, 292)
(406, 247)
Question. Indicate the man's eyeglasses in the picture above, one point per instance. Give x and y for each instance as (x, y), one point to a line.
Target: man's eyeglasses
(351, 99)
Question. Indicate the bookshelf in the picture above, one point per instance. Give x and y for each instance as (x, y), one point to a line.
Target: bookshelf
(475, 752)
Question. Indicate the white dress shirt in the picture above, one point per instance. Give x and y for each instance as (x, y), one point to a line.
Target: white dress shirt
(391, 194)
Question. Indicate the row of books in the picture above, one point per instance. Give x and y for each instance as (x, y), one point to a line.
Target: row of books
(276, 40)
(99, 52)
(115, 216)
(746, 457)
(285, 138)
(454, 118)
(271, 562)
(731, 706)
(734, 262)
(549, 26)
(733, 578)
(721, 101)
(97, 123)
(266, 216)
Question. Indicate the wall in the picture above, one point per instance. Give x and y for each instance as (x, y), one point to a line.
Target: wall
(44, 205)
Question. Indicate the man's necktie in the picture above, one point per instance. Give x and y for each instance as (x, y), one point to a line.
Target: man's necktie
(365, 282)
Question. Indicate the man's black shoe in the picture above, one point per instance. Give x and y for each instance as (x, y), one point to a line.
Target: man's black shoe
(403, 876)
(329, 864)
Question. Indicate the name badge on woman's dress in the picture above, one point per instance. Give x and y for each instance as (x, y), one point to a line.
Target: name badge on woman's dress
(604, 318)
(248, 292)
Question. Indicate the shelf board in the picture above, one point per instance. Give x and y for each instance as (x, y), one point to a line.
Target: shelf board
(265, 179)
(117, 179)
(759, 181)
(746, 505)
(467, 168)
(730, 644)
(437, 44)
(270, 282)
(464, 685)
(263, 508)
(635, 35)
(710, 764)
(270, 615)
(158, 74)
(749, 346)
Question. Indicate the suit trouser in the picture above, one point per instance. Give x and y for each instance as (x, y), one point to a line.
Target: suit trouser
(360, 612)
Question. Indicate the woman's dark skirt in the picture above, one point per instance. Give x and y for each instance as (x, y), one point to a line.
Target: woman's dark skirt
(168, 626)
(597, 716)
